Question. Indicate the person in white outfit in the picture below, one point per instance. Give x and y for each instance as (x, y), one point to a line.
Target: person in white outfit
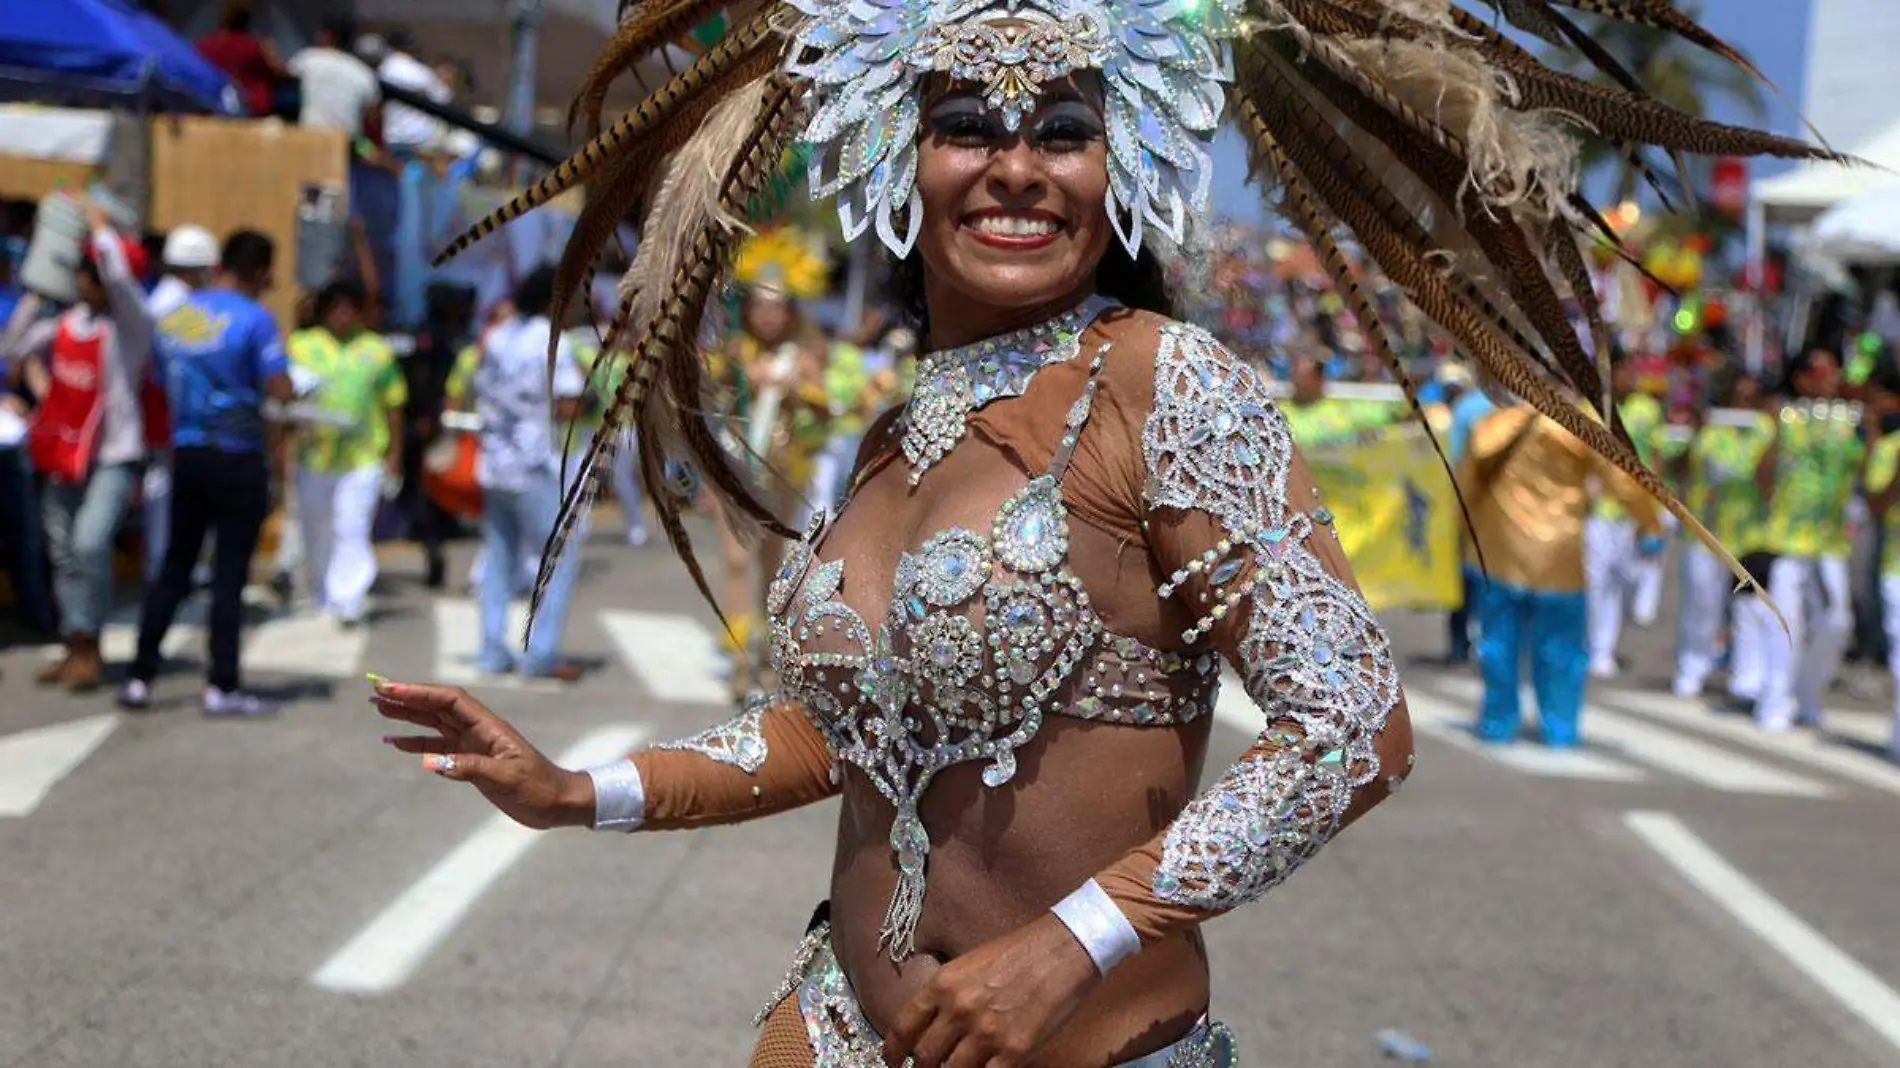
(1883, 499)
(191, 254)
(1618, 562)
(1811, 473)
(349, 446)
(1721, 489)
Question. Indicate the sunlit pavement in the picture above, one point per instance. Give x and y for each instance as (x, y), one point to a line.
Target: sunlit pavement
(180, 892)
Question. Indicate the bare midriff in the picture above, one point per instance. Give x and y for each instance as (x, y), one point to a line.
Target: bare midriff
(1085, 794)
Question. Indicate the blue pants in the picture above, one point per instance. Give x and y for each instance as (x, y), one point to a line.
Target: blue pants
(515, 522)
(1550, 628)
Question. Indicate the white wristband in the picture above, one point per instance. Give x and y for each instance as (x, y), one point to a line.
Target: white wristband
(620, 799)
(1097, 922)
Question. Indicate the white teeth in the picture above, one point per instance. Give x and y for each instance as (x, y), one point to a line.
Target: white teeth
(1014, 225)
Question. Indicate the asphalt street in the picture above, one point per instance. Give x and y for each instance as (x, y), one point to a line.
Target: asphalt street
(181, 892)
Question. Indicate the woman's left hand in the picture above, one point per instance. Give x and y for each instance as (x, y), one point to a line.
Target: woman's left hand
(997, 1005)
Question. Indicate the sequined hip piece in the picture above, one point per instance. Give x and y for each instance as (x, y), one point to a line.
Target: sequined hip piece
(841, 1036)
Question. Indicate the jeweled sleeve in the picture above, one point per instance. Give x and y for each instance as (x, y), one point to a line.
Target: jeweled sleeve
(1236, 523)
(768, 759)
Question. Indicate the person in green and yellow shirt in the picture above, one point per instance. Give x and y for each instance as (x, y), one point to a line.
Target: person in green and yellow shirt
(1883, 499)
(1810, 474)
(1622, 568)
(1315, 418)
(348, 447)
(1720, 488)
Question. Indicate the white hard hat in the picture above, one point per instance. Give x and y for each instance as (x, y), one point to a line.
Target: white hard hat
(191, 246)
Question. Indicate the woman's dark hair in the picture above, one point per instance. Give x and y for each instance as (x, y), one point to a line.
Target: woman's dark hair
(1800, 362)
(342, 291)
(1137, 283)
(535, 293)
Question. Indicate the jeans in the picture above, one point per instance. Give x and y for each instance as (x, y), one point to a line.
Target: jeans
(228, 495)
(1458, 624)
(25, 542)
(81, 520)
(516, 522)
(1550, 627)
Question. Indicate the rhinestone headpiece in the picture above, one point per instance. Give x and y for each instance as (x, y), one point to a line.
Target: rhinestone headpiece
(1163, 64)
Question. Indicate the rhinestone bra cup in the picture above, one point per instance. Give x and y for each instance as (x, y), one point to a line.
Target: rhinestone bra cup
(984, 635)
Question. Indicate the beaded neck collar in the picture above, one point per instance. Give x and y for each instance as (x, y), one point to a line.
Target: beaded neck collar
(952, 383)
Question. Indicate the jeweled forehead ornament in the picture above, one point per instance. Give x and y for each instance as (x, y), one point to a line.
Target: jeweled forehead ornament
(1164, 65)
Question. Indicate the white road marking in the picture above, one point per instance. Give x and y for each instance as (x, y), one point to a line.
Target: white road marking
(676, 657)
(1678, 754)
(32, 762)
(458, 643)
(1801, 747)
(302, 643)
(1438, 718)
(1807, 950)
(383, 954)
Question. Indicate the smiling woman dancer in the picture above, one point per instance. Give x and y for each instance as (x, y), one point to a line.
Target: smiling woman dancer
(1003, 652)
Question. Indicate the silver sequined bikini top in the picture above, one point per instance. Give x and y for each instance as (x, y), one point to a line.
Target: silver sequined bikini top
(985, 634)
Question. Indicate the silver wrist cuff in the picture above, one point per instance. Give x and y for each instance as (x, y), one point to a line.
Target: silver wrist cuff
(1098, 923)
(620, 799)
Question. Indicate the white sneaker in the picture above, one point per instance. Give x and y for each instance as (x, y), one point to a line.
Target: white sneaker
(1687, 687)
(135, 696)
(236, 704)
(637, 537)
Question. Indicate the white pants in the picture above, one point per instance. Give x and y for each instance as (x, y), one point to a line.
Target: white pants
(1609, 575)
(831, 468)
(627, 485)
(1752, 629)
(1890, 600)
(1812, 594)
(1704, 599)
(336, 513)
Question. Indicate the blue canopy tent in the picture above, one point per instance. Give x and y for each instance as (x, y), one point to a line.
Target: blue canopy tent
(105, 51)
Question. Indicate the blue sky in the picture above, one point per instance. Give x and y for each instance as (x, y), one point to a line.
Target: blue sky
(1772, 33)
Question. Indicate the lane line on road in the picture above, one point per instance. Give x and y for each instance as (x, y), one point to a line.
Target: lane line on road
(383, 954)
(1678, 754)
(1857, 989)
(1801, 747)
(32, 762)
(676, 657)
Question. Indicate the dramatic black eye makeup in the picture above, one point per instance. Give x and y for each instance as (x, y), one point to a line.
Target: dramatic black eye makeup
(1063, 123)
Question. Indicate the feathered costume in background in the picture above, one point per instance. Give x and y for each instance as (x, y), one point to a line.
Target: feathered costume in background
(1445, 148)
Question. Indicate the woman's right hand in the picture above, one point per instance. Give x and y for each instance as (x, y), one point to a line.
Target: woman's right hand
(473, 745)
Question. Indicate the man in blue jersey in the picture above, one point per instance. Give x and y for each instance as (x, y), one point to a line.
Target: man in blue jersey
(221, 357)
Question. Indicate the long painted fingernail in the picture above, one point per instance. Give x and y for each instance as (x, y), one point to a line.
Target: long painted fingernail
(440, 763)
(375, 679)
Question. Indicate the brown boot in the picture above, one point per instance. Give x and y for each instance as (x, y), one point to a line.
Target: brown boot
(88, 670)
(54, 674)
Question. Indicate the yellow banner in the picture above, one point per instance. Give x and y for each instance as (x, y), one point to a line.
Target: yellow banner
(1396, 514)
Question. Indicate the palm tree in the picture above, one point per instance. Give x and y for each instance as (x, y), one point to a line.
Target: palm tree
(1678, 73)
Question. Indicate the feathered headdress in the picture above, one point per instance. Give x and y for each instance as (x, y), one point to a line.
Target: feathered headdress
(1447, 150)
(784, 261)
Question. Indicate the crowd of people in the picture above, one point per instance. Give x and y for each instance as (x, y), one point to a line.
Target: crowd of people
(1795, 475)
(161, 414)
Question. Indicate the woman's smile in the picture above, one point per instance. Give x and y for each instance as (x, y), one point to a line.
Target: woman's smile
(1013, 230)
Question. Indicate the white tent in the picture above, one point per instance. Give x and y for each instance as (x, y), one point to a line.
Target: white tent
(1812, 188)
(1864, 231)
